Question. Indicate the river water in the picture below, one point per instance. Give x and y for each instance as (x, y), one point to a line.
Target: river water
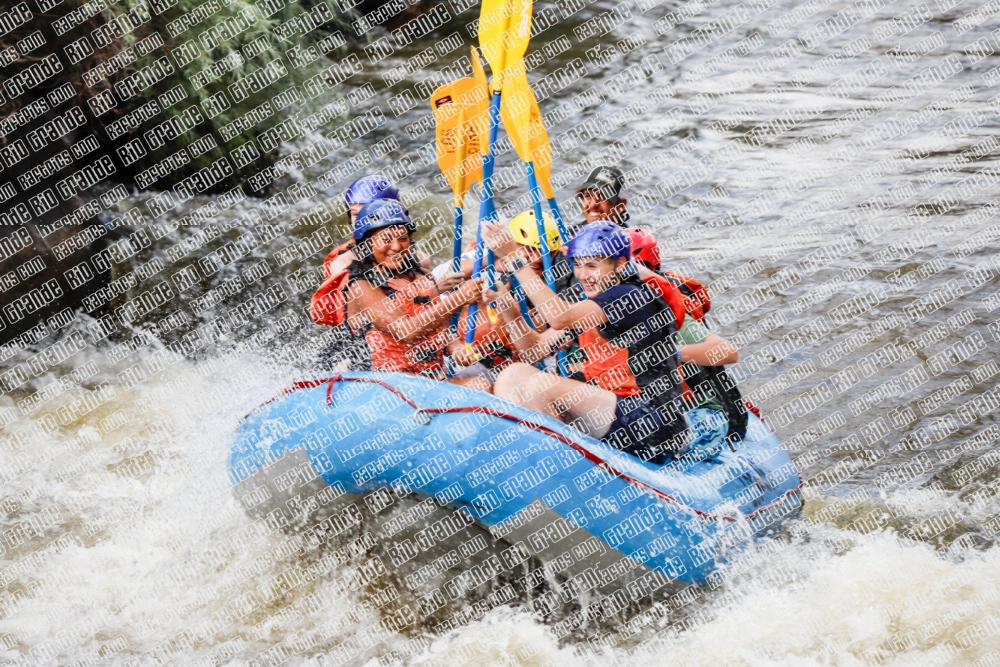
(828, 168)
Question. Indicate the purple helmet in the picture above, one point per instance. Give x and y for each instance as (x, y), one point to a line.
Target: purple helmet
(370, 188)
(600, 239)
(380, 214)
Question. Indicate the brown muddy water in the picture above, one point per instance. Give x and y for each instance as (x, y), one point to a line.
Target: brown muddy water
(828, 168)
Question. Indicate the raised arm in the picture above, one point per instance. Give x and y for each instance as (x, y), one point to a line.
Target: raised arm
(557, 313)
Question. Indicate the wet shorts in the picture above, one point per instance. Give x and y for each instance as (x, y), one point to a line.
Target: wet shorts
(640, 429)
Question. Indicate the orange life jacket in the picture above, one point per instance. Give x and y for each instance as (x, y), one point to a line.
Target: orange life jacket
(491, 340)
(606, 363)
(425, 356)
(682, 293)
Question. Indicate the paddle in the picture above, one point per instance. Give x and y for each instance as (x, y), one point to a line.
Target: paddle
(504, 31)
(516, 112)
(479, 74)
(460, 115)
(541, 153)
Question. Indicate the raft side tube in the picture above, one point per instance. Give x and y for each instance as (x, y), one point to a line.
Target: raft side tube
(388, 443)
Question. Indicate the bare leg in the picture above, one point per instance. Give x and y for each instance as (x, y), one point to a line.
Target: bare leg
(474, 382)
(583, 406)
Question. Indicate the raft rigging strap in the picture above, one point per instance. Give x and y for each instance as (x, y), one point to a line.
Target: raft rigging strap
(583, 451)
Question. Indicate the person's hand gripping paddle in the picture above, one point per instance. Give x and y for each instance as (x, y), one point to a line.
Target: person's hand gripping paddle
(516, 110)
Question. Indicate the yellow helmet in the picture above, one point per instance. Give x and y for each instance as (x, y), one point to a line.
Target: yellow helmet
(525, 231)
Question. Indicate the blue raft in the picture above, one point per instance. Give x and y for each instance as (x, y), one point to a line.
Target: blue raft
(435, 470)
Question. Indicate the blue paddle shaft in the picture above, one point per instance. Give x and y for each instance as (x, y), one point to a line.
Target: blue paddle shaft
(487, 211)
(457, 264)
(491, 156)
(536, 205)
(563, 232)
(522, 301)
(470, 322)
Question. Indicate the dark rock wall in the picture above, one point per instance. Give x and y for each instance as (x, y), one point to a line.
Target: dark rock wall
(44, 271)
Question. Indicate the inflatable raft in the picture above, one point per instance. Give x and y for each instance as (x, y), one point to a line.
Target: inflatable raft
(433, 471)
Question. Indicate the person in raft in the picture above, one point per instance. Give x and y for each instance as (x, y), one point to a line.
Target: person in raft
(498, 344)
(630, 398)
(399, 310)
(603, 196)
(348, 349)
(646, 253)
(364, 191)
(712, 401)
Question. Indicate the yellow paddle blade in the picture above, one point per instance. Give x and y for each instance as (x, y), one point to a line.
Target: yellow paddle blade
(458, 185)
(504, 31)
(478, 73)
(541, 149)
(523, 121)
(515, 111)
(462, 116)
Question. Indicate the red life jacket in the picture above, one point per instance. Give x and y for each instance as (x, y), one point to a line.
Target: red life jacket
(607, 363)
(328, 305)
(424, 356)
(669, 292)
(694, 295)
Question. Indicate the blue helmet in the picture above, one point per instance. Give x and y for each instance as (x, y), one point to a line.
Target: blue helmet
(600, 239)
(380, 214)
(370, 188)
